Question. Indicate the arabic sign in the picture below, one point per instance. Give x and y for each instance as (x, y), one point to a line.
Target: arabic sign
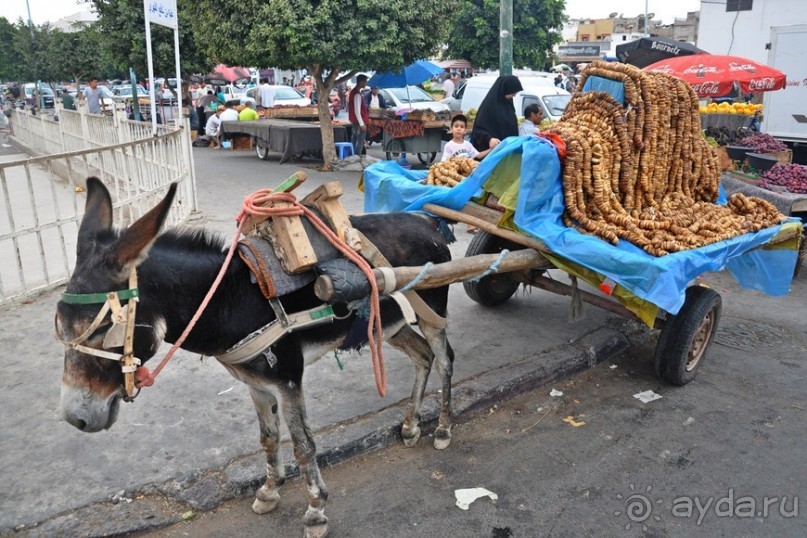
(162, 12)
(566, 51)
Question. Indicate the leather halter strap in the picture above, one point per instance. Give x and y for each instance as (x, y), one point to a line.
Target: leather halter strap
(111, 302)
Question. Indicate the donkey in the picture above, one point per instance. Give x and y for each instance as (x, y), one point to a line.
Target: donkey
(175, 270)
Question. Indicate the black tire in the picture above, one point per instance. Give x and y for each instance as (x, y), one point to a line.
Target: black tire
(686, 337)
(494, 289)
(262, 151)
(427, 158)
(394, 149)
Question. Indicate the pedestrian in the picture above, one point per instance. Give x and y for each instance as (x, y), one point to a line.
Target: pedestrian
(496, 118)
(358, 114)
(248, 113)
(449, 85)
(94, 97)
(374, 99)
(571, 83)
(200, 92)
(68, 102)
(559, 81)
(193, 116)
(266, 94)
(532, 117)
(229, 113)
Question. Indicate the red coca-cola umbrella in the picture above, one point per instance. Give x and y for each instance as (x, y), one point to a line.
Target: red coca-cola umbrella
(714, 76)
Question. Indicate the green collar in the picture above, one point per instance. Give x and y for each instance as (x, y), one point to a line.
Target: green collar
(96, 298)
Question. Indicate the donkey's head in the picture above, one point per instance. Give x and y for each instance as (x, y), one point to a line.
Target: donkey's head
(91, 384)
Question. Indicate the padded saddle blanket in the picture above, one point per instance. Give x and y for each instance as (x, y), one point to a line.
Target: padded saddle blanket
(265, 267)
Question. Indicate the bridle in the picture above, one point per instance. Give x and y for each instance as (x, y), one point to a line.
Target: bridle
(121, 334)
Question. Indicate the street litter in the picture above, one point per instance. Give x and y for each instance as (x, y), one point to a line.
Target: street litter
(466, 496)
(689, 421)
(613, 366)
(555, 393)
(225, 391)
(570, 420)
(647, 396)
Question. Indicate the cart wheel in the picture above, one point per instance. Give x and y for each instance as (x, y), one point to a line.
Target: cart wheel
(394, 149)
(686, 336)
(497, 288)
(262, 151)
(427, 158)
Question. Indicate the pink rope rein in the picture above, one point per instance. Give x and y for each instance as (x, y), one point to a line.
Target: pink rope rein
(254, 205)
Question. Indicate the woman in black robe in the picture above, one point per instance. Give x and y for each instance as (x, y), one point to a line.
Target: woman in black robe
(496, 119)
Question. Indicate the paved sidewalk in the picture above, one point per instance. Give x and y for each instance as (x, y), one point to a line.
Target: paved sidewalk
(191, 440)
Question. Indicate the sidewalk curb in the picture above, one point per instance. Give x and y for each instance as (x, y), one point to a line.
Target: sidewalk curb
(153, 506)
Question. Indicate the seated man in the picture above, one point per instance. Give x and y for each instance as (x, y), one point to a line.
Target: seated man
(212, 127)
(248, 113)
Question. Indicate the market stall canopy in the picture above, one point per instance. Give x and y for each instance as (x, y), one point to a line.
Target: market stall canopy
(223, 74)
(714, 76)
(560, 67)
(648, 50)
(455, 64)
(410, 75)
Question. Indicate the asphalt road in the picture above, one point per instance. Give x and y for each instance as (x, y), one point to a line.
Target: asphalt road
(722, 456)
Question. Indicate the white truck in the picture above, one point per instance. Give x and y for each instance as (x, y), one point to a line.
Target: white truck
(785, 111)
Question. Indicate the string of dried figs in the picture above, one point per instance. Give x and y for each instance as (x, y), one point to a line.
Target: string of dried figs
(450, 172)
(640, 169)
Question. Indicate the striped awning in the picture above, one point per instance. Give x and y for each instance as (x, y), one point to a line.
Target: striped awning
(455, 64)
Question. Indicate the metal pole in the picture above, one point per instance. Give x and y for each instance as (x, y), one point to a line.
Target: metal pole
(645, 19)
(152, 95)
(180, 92)
(506, 37)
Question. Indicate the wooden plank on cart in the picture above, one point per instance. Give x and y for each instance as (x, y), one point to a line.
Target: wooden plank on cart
(445, 273)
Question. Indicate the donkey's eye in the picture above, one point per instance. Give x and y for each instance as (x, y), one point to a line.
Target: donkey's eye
(100, 331)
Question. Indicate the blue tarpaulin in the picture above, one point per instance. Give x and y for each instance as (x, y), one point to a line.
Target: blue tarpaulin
(660, 280)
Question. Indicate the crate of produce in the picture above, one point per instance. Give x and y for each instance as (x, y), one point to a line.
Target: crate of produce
(421, 115)
(292, 112)
(377, 114)
(784, 157)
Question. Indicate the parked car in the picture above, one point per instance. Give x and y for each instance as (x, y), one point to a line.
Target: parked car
(537, 90)
(284, 95)
(47, 98)
(400, 99)
(123, 92)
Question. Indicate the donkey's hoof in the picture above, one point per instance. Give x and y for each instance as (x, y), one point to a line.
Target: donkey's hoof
(442, 438)
(265, 501)
(316, 531)
(410, 435)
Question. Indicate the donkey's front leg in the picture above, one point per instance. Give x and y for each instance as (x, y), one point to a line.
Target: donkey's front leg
(444, 361)
(411, 343)
(267, 497)
(305, 452)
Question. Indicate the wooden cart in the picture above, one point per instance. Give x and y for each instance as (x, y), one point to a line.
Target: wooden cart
(684, 339)
(425, 147)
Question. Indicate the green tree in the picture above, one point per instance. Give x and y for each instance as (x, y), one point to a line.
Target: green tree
(78, 55)
(537, 26)
(123, 39)
(9, 65)
(332, 39)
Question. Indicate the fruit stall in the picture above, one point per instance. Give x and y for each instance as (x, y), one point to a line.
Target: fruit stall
(419, 132)
(623, 195)
(729, 115)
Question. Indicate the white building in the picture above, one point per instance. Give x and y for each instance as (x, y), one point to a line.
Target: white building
(75, 22)
(743, 27)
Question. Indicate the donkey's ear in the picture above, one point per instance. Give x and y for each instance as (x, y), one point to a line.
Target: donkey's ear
(133, 244)
(97, 210)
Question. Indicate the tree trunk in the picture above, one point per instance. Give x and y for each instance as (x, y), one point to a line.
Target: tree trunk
(324, 88)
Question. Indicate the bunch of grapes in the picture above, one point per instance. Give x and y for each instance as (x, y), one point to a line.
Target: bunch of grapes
(792, 177)
(762, 143)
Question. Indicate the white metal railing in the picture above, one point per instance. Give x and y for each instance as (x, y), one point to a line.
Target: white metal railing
(42, 198)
